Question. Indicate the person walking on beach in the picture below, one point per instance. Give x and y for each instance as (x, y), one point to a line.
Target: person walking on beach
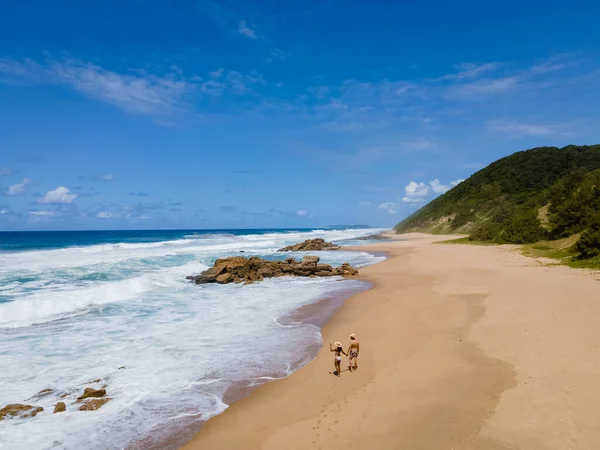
(353, 350)
(337, 360)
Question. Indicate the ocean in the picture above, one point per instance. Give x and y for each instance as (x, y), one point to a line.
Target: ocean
(95, 308)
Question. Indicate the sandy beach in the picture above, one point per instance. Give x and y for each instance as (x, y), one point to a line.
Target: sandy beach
(462, 347)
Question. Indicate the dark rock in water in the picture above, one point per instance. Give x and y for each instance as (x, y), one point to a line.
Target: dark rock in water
(242, 251)
(60, 407)
(187, 278)
(44, 392)
(89, 392)
(20, 411)
(239, 269)
(94, 404)
(310, 245)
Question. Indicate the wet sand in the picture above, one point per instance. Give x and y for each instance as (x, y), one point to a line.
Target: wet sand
(173, 435)
(461, 347)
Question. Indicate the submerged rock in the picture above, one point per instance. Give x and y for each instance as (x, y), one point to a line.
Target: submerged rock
(20, 411)
(44, 392)
(310, 245)
(94, 404)
(90, 392)
(239, 269)
(60, 407)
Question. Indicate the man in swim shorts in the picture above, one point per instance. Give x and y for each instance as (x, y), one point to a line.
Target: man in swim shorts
(353, 351)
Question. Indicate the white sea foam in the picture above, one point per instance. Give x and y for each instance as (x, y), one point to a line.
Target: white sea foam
(46, 305)
(129, 305)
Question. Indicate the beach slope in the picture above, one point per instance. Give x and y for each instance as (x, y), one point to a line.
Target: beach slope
(462, 347)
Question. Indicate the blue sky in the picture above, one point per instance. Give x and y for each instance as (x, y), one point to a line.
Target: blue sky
(232, 114)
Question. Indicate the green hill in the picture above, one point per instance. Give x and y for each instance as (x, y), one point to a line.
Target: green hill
(542, 193)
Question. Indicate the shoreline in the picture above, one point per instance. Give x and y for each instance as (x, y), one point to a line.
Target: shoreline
(316, 314)
(460, 349)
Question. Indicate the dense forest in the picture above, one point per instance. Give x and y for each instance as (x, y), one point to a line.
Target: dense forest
(543, 193)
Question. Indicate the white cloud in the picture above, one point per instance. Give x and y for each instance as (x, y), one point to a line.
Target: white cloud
(135, 92)
(302, 212)
(59, 195)
(415, 192)
(407, 199)
(438, 187)
(41, 213)
(19, 188)
(5, 171)
(140, 217)
(525, 129)
(245, 30)
(485, 87)
(390, 207)
(319, 91)
(107, 177)
(3, 211)
(420, 143)
(231, 82)
(104, 215)
(469, 70)
(278, 54)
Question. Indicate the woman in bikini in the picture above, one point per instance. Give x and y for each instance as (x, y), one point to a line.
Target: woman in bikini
(353, 350)
(337, 360)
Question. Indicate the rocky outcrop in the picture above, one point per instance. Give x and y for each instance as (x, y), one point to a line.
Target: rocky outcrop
(20, 411)
(90, 400)
(90, 392)
(60, 407)
(238, 269)
(94, 404)
(310, 245)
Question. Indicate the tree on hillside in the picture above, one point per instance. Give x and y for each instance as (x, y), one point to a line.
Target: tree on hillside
(588, 244)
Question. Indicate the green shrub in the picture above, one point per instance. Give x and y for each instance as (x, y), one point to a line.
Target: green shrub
(487, 231)
(462, 218)
(588, 244)
(523, 227)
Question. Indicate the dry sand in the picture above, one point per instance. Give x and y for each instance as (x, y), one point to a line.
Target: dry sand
(462, 347)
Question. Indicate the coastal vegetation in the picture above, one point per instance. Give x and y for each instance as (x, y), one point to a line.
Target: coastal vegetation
(545, 195)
